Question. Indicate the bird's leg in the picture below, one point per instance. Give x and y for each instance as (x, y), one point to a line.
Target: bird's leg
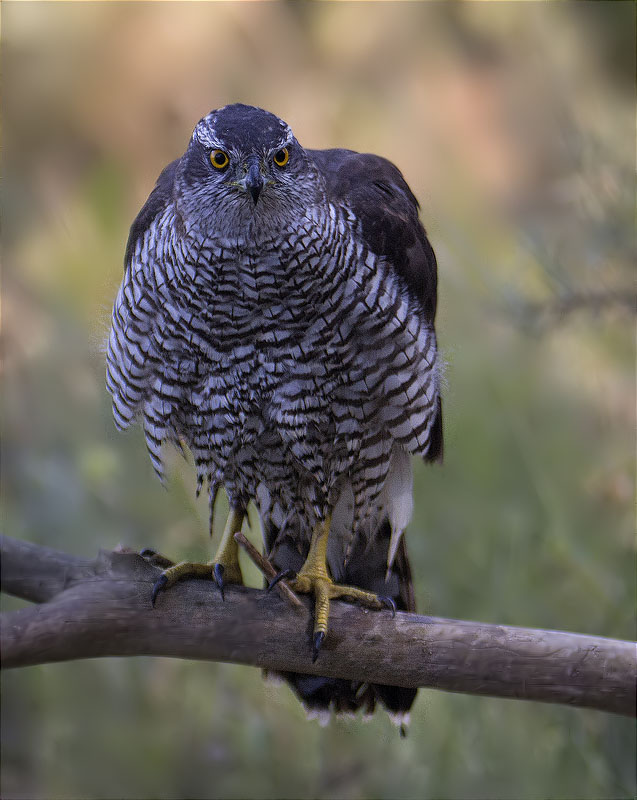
(314, 579)
(224, 568)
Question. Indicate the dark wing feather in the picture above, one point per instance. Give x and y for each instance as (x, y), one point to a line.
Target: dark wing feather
(157, 201)
(378, 195)
(375, 190)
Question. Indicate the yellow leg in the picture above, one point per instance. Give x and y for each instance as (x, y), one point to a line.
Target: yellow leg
(224, 568)
(314, 579)
(227, 556)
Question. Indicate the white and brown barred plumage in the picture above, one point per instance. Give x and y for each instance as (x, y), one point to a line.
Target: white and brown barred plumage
(290, 344)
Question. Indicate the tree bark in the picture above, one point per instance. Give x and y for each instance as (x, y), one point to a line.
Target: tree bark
(101, 607)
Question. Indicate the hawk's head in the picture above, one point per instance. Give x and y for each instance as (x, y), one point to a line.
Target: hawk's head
(244, 174)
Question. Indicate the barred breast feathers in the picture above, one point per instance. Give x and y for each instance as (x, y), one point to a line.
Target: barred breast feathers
(356, 306)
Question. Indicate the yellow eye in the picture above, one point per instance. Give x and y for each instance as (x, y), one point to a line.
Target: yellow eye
(281, 157)
(219, 159)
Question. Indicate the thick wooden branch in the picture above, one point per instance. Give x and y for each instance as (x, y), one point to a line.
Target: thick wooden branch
(102, 608)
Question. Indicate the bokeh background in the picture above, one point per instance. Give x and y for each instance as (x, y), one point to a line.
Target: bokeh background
(514, 124)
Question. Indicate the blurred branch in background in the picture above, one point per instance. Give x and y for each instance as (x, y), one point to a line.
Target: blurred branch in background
(102, 608)
(541, 318)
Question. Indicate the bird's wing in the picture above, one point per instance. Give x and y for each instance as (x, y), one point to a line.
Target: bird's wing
(375, 190)
(157, 201)
(378, 195)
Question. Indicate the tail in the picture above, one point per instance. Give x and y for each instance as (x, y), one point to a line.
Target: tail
(367, 569)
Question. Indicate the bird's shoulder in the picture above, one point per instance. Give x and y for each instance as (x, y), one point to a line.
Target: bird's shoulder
(379, 197)
(160, 197)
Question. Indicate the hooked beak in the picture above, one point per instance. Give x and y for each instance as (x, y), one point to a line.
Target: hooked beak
(253, 181)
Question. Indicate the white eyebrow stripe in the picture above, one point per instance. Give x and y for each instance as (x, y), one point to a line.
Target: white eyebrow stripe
(204, 135)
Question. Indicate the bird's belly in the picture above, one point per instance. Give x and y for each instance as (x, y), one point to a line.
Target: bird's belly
(268, 418)
(288, 398)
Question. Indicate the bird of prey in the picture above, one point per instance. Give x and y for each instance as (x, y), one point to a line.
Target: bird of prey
(276, 316)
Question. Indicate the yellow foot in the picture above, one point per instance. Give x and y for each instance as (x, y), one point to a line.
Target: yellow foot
(155, 558)
(324, 589)
(223, 569)
(314, 579)
(221, 573)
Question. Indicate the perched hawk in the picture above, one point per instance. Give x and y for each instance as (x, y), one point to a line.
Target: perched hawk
(277, 316)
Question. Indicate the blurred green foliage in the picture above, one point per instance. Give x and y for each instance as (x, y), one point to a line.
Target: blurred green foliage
(514, 125)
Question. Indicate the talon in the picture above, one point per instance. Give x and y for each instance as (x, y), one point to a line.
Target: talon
(319, 637)
(314, 578)
(155, 558)
(388, 603)
(218, 571)
(160, 584)
(287, 573)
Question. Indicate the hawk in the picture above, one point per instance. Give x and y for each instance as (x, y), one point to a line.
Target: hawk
(276, 316)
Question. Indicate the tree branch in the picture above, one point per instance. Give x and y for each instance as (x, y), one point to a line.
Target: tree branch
(102, 608)
(543, 317)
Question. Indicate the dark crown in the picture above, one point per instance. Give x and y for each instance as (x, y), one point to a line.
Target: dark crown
(238, 126)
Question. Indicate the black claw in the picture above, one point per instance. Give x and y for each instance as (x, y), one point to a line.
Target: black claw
(155, 558)
(218, 571)
(282, 576)
(319, 636)
(389, 603)
(160, 583)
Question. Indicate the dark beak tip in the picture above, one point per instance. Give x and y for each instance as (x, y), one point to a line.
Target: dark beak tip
(255, 191)
(254, 182)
